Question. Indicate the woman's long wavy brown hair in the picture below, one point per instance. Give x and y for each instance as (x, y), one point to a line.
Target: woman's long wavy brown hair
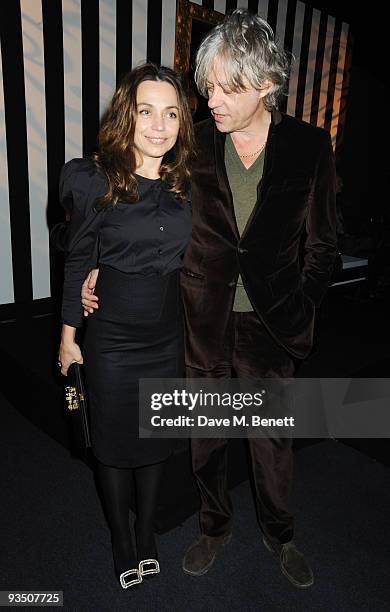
(115, 156)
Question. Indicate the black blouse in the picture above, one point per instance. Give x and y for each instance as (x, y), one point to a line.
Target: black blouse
(144, 238)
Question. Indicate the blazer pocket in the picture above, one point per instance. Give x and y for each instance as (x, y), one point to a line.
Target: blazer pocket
(192, 288)
(189, 275)
(299, 185)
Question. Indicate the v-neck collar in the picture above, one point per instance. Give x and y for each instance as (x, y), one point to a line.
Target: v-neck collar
(230, 149)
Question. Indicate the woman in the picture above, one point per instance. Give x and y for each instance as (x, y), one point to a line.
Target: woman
(129, 203)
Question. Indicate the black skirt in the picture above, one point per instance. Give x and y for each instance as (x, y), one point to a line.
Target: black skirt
(137, 332)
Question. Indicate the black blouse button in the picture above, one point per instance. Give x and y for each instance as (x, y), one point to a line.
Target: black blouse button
(159, 251)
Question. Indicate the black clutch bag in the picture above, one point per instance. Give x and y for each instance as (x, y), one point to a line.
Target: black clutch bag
(77, 407)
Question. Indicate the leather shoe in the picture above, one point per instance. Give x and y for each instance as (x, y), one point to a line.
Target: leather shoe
(292, 563)
(202, 553)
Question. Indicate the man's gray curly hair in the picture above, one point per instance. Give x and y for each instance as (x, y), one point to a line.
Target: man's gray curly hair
(245, 44)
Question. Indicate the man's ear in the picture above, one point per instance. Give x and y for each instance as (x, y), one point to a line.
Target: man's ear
(266, 88)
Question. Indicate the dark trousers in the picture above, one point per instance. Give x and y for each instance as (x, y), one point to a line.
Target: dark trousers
(249, 352)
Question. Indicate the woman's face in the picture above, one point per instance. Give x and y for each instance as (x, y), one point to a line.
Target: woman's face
(157, 123)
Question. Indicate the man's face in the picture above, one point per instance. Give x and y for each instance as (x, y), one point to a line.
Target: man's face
(232, 111)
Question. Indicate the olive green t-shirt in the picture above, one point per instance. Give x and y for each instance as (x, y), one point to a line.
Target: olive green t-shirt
(243, 184)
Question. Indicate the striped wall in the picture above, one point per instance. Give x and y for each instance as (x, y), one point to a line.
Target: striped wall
(59, 63)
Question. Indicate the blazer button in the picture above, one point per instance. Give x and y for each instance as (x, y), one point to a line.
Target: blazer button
(231, 284)
(242, 251)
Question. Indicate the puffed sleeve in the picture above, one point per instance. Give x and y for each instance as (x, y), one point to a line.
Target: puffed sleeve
(59, 236)
(80, 185)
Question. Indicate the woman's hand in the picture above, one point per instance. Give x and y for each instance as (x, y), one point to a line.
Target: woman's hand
(69, 351)
(88, 299)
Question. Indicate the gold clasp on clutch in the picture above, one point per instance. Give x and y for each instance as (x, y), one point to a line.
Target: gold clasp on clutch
(71, 398)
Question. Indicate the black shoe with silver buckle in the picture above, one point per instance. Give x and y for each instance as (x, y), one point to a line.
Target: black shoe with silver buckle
(292, 563)
(147, 550)
(130, 578)
(148, 566)
(202, 553)
(126, 566)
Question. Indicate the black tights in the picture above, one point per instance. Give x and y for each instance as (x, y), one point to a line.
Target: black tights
(116, 487)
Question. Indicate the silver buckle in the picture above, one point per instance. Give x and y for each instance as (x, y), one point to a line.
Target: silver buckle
(152, 570)
(129, 572)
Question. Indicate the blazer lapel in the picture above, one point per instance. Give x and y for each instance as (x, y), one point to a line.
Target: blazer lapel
(269, 162)
(226, 200)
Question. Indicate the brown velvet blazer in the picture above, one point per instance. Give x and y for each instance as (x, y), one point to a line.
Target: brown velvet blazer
(295, 195)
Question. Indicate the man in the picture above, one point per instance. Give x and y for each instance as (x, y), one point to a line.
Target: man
(260, 180)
